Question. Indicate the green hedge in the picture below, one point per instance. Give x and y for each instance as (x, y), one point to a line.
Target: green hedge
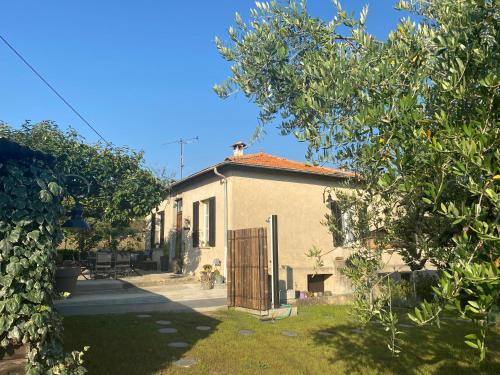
(30, 216)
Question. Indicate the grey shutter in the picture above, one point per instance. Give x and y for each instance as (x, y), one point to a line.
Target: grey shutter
(211, 222)
(162, 228)
(153, 231)
(337, 220)
(196, 224)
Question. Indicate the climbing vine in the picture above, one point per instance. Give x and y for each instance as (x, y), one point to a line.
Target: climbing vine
(30, 215)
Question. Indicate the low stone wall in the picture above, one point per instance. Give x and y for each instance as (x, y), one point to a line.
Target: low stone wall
(335, 299)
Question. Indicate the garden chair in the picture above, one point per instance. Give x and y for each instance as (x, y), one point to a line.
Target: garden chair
(122, 264)
(103, 266)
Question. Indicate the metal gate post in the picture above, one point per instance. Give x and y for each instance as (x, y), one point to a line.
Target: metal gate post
(275, 296)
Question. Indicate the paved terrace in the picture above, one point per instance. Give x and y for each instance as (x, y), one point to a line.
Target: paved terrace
(139, 294)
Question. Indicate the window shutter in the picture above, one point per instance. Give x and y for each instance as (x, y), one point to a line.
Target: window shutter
(337, 220)
(211, 220)
(196, 224)
(152, 237)
(162, 228)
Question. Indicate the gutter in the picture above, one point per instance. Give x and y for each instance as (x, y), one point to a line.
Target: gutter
(224, 180)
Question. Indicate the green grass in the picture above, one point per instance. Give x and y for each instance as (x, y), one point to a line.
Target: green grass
(124, 344)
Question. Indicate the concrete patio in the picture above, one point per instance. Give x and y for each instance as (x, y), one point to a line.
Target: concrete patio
(140, 295)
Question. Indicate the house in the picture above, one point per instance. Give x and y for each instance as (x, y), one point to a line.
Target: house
(242, 192)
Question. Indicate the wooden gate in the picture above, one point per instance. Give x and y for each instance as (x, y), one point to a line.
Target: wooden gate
(247, 282)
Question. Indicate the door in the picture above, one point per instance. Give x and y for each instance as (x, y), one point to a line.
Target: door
(247, 284)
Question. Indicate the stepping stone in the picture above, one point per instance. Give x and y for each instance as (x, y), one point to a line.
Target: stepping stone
(324, 333)
(167, 330)
(406, 325)
(246, 332)
(289, 333)
(268, 321)
(185, 362)
(356, 330)
(143, 316)
(203, 328)
(163, 322)
(178, 344)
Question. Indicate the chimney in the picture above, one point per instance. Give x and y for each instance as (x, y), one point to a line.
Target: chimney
(238, 148)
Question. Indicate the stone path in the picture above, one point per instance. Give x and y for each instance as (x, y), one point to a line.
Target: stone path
(203, 328)
(246, 332)
(185, 362)
(289, 333)
(143, 316)
(167, 330)
(163, 322)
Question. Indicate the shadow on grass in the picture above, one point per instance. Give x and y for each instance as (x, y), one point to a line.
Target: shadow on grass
(123, 342)
(424, 350)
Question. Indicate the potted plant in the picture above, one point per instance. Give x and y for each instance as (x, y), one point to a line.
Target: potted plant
(219, 279)
(67, 272)
(206, 277)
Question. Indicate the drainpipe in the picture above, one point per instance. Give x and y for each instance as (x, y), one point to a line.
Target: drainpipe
(224, 179)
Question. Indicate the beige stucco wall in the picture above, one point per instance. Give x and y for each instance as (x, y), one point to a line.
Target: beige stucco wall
(195, 258)
(253, 196)
(297, 200)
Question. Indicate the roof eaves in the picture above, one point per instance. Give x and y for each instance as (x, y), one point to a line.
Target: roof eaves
(336, 174)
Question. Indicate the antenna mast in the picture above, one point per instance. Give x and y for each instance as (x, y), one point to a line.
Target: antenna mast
(182, 142)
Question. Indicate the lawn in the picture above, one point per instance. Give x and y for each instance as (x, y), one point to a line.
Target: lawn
(128, 345)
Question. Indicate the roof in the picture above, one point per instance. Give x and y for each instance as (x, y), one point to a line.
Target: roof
(271, 162)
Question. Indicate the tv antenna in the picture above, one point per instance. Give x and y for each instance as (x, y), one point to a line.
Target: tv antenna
(182, 142)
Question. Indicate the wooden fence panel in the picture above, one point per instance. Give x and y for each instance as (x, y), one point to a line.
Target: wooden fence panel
(247, 269)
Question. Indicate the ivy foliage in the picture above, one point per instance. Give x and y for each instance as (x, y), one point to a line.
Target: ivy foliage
(122, 188)
(415, 115)
(30, 215)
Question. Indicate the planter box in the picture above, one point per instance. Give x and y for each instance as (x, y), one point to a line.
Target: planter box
(66, 278)
(13, 360)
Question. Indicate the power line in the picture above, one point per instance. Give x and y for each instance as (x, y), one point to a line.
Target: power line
(53, 89)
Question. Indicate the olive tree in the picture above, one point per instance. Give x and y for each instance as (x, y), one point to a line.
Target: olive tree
(415, 116)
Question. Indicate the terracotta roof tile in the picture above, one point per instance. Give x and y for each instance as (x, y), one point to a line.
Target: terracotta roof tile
(270, 161)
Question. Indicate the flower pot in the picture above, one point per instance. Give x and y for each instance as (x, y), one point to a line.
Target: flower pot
(206, 280)
(66, 278)
(219, 279)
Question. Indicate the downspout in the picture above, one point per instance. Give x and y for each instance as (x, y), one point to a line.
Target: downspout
(224, 179)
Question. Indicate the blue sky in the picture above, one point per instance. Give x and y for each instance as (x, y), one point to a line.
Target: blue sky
(142, 73)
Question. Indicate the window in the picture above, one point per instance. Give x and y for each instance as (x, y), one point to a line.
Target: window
(346, 225)
(204, 223)
(343, 222)
(178, 205)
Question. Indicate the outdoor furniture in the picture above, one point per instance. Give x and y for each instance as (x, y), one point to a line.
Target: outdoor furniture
(122, 264)
(103, 265)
